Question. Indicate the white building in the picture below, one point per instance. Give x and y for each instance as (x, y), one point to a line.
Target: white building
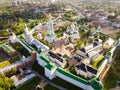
(38, 44)
(26, 30)
(51, 36)
(39, 35)
(109, 43)
(95, 47)
(72, 32)
(13, 37)
(18, 2)
(56, 59)
(27, 75)
(52, 70)
(85, 70)
(37, 10)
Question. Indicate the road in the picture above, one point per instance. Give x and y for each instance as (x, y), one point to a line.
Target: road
(47, 80)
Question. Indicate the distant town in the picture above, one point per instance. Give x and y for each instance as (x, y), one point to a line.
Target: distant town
(59, 45)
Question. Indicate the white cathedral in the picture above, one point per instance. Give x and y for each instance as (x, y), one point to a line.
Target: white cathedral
(72, 31)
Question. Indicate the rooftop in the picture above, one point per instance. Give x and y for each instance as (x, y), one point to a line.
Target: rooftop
(74, 77)
(50, 66)
(45, 58)
(7, 48)
(53, 55)
(86, 68)
(22, 77)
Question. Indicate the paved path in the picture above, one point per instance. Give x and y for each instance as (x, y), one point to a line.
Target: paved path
(47, 80)
(72, 62)
(43, 83)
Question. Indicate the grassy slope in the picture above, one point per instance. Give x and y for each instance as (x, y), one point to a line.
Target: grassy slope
(65, 84)
(49, 87)
(30, 84)
(113, 74)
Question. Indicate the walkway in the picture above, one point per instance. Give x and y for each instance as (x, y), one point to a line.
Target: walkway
(72, 62)
(47, 80)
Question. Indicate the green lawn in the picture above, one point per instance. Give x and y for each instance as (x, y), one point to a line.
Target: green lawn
(65, 84)
(30, 84)
(113, 74)
(38, 68)
(49, 87)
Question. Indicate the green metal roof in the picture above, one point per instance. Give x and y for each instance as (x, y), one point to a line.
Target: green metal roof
(30, 47)
(96, 84)
(99, 29)
(45, 58)
(7, 48)
(27, 45)
(50, 66)
(39, 51)
(108, 54)
(51, 35)
(72, 76)
(83, 27)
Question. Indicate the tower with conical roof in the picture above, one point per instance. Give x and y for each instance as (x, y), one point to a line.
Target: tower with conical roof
(51, 36)
(50, 26)
(26, 30)
(39, 35)
(99, 29)
(12, 37)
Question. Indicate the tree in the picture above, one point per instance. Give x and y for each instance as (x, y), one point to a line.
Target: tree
(78, 44)
(70, 39)
(103, 37)
(13, 71)
(6, 83)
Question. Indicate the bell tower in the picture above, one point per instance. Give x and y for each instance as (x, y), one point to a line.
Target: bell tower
(51, 36)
